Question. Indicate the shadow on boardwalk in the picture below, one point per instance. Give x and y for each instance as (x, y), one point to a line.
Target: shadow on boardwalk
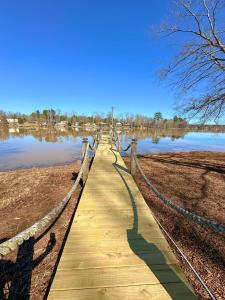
(15, 277)
(150, 253)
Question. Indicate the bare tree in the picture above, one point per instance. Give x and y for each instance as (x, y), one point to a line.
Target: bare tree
(198, 70)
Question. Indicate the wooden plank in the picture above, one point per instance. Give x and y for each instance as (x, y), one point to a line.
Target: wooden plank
(114, 245)
(110, 277)
(99, 200)
(140, 292)
(115, 249)
(99, 259)
(97, 234)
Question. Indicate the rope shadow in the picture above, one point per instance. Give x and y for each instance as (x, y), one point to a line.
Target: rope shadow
(150, 253)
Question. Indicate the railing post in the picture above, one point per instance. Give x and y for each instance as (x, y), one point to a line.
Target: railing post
(111, 138)
(84, 146)
(119, 142)
(85, 169)
(132, 160)
(95, 139)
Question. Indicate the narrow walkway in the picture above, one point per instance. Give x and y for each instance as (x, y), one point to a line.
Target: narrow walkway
(115, 249)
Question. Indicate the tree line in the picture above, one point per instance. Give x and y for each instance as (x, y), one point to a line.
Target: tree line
(52, 117)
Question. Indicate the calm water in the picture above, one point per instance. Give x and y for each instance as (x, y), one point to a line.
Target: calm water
(43, 148)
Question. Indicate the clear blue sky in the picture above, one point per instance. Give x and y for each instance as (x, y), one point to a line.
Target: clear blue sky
(82, 56)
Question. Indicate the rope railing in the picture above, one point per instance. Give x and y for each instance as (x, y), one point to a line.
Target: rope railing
(134, 163)
(94, 146)
(91, 147)
(118, 139)
(127, 148)
(13, 243)
(186, 213)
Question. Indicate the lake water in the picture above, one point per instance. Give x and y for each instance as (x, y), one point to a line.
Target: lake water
(35, 148)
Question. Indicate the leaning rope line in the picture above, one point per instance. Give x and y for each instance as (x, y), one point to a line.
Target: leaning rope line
(186, 260)
(94, 146)
(91, 147)
(200, 220)
(13, 243)
(126, 149)
(117, 140)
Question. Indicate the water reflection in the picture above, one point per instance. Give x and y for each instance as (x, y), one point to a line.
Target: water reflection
(45, 147)
(175, 140)
(42, 135)
(157, 133)
(22, 148)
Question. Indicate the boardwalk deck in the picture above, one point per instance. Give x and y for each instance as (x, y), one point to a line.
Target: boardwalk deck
(115, 249)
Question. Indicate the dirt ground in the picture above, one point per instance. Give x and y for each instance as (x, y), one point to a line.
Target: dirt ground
(195, 181)
(26, 196)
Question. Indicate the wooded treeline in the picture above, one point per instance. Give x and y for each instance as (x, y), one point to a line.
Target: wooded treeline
(52, 117)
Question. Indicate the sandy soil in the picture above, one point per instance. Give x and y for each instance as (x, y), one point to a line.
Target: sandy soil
(195, 181)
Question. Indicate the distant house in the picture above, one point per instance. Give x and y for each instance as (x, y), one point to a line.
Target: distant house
(118, 124)
(12, 121)
(103, 124)
(62, 124)
(13, 130)
(32, 122)
(75, 124)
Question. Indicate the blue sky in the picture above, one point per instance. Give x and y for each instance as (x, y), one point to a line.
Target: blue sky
(83, 56)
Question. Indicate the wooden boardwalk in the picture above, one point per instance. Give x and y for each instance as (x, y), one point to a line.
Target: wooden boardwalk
(115, 249)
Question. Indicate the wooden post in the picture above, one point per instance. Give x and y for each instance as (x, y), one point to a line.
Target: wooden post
(85, 170)
(132, 160)
(111, 137)
(95, 139)
(119, 143)
(84, 146)
(111, 140)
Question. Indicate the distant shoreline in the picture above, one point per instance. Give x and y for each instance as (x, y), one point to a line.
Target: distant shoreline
(94, 127)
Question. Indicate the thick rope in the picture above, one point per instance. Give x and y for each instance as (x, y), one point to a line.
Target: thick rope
(13, 243)
(126, 149)
(200, 220)
(94, 146)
